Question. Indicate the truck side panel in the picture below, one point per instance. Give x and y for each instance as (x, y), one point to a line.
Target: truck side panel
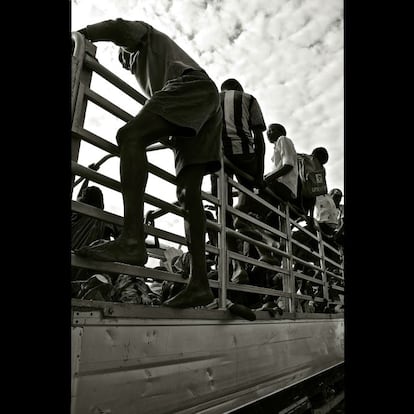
(190, 366)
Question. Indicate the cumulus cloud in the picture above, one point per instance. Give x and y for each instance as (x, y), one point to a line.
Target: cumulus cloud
(288, 54)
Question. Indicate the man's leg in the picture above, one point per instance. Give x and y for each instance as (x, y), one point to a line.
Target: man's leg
(133, 138)
(197, 292)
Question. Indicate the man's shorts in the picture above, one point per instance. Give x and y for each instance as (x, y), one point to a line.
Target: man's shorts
(192, 101)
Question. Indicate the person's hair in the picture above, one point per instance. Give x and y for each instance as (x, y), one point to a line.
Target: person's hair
(92, 196)
(335, 191)
(321, 154)
(278, 127)
(231, 84)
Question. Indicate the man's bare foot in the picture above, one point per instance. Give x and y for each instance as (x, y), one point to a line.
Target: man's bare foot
(115, 251)
(193, 295)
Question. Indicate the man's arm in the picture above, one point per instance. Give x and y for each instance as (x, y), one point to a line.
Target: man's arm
(279, 173)
(260, 148)
(127, 34)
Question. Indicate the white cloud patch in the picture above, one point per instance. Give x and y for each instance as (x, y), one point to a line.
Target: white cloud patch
(287, 53)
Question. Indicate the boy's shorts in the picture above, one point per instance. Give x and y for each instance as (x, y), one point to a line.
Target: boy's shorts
(192, 101)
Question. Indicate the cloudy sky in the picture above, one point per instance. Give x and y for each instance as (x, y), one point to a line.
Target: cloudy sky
(287, 53)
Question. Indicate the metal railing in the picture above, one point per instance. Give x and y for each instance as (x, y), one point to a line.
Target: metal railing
(328, 273)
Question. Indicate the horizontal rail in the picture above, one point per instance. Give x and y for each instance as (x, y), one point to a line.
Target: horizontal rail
(116, 185)
(255, 262)
(119, 221)
(250, 240)
(115, 80)
(256, 222)
(107, 105)
(95, 140)
(256, 197)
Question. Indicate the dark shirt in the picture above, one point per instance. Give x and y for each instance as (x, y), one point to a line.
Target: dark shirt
(241, 115)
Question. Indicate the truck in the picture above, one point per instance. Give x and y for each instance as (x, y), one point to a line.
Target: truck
(132, 358)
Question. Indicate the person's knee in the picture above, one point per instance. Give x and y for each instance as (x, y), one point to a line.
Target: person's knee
(189, 185)
(130, 137)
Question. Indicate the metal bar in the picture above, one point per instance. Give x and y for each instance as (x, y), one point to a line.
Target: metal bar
(116, 185)
(256, 289)
(117, 267)
(95, 140)
(323, 265)
(250, 240)
(331, 248)
(155, 147)
(303, 229)
(82, 79)
(255, 262)
(287, 262)
(78, 43)
(153, 169)
(255, 197)
(253, 220)
(112, 78)
(305, 263)
(306, 248)
(267, 190)
(97, 164)
(309, 278)
(107, 105)
(223, 257)
(119, 221)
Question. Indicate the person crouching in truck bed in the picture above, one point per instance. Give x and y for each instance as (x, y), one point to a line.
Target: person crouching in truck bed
(183, 104)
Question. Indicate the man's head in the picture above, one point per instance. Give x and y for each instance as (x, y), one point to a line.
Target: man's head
(93, 196)
(336, 195)
(321, 154)
(231, 85)
(274, 131)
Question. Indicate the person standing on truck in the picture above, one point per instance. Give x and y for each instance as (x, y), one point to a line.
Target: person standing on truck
(183, 111)
(242, 136)
(244, 146)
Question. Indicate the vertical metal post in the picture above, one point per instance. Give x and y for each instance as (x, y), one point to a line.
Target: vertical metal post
(287, 263)
(81, 79)
(222, 241)
(78, 44)
(323, 264)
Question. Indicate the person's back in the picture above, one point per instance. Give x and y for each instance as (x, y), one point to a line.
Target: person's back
(243, 124)
(326, 213)
(86, 229)
(283, 180)
(306, 202)
(242, 136)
